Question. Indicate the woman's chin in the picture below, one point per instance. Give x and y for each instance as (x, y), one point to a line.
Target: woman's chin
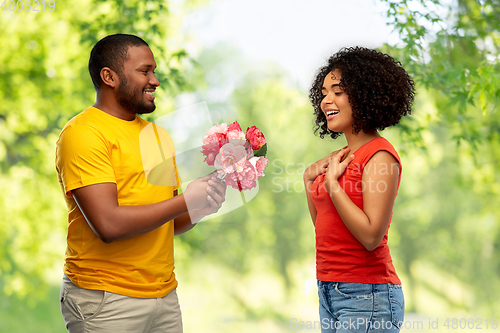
(333, 129)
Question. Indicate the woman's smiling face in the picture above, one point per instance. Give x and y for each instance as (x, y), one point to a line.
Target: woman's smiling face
(335, 104)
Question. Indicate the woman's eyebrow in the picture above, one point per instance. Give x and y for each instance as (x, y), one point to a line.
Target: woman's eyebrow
(333, 85)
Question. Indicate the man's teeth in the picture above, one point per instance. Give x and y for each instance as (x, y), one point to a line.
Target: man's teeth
(149, 92)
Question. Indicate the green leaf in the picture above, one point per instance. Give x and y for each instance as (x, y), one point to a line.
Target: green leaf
(261, 152)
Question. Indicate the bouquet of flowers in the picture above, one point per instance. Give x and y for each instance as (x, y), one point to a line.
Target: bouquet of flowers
(240, 158)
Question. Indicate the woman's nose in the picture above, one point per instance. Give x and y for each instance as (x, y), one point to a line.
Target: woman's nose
(328, 98)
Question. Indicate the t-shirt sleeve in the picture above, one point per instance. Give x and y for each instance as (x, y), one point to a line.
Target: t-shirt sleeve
(83, 157)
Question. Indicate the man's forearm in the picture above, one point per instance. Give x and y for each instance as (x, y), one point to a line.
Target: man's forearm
(186, 222)
(112, 222)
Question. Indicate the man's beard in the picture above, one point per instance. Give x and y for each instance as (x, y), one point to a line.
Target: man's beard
(127, 97)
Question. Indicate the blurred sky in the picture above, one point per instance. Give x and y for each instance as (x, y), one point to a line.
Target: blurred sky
(297, 34)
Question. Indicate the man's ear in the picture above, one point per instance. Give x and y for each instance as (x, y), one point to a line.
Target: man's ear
(109, 77)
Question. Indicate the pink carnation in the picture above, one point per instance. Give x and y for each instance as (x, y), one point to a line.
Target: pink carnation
(235, 134)
(222, 128)
(211, 146)
(243, 180)
(230, 150)
(217, 138)
(259, 163)
(234, 127)
(255, 137)
(210, 159)
(231, 158)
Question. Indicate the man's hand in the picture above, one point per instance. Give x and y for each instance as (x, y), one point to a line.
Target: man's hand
(217, 195)
(214, 193)
(196, 194)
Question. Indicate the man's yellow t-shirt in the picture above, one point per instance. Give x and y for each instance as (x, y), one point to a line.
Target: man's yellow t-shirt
(139, 157)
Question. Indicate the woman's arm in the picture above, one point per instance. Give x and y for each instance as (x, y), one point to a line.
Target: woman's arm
(310, 204)
(380, 182)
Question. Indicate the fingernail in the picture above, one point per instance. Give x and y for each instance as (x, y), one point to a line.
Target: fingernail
(352, 155)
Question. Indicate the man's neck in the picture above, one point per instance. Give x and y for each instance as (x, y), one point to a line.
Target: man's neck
(114, 109)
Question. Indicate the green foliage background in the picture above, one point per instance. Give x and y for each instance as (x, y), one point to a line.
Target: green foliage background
(253, 269)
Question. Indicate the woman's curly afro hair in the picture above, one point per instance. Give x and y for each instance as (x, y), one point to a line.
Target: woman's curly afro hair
(380, 91)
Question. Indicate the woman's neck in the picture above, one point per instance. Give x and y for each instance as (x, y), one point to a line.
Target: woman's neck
(355, 141)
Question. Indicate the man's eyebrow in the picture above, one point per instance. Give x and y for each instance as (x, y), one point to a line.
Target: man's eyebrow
(147, 65)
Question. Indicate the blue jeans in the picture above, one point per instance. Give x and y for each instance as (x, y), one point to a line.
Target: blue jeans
(360, 307)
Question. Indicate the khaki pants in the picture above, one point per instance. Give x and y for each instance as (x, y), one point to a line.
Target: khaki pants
(98, 311)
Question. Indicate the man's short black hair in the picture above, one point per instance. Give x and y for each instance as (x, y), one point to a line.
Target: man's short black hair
(111, 51)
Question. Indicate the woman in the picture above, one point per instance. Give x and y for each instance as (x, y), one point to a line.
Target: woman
(351, 192)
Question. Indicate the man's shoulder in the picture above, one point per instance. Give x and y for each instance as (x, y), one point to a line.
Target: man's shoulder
(82, 118)
(82, 125)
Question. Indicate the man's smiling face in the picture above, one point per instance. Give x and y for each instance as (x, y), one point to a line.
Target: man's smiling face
(138, 81)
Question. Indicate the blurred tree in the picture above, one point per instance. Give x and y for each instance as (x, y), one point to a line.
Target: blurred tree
(450, 164)
(445, 218)
(452, 51)
(44, 81)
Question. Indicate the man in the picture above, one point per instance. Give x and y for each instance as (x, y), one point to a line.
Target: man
(119, 179)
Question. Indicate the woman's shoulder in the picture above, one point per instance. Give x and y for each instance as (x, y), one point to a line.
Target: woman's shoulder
(376, 145)
(380, 142)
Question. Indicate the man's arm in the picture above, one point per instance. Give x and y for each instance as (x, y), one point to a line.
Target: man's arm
(187, 221)
(110, 222)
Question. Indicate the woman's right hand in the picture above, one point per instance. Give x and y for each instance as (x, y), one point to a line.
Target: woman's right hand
(317, 168)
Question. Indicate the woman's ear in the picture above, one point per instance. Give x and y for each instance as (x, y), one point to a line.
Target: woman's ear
(109, 77)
